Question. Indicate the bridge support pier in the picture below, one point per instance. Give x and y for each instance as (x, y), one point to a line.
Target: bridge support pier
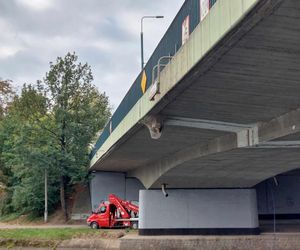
(198, 212)
(104, 183)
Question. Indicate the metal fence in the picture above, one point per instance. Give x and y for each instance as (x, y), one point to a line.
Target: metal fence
(168, 46)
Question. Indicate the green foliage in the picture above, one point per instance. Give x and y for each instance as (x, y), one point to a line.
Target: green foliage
(50, 238)
(49, 127)
(9, 217)
(27, 152)
(79, 112)
(47, 234)
(6, 95)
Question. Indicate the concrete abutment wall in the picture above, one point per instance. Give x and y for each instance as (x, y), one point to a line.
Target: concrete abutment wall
(198, 211)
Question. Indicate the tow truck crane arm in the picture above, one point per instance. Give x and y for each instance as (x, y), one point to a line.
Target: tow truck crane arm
(125, 207)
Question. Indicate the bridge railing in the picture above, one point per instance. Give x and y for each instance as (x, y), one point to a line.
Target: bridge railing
(189, 17)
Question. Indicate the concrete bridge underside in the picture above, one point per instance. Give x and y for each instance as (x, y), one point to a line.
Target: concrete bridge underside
(233, 120)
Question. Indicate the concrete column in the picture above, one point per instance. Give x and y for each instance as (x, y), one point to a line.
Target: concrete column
(198, 211)
(105, 183)
(281, 197)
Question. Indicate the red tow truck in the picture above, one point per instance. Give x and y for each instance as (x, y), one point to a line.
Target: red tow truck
(114, 213)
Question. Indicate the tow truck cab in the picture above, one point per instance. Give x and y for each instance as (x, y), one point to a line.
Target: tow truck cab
(104, 216)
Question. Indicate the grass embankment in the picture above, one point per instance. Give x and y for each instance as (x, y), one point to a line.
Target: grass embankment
(9, 217)
(50, 237)
(45, 234)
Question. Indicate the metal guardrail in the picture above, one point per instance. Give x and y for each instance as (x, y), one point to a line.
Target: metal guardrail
(169, 45)
(155, 85)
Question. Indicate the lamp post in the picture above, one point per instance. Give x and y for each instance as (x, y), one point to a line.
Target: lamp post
(46, 196)
(142, 37)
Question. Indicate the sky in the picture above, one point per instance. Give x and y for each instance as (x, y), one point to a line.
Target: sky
(103, 33)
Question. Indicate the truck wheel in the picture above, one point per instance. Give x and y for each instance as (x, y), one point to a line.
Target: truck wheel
(134, 225)
(94, 225)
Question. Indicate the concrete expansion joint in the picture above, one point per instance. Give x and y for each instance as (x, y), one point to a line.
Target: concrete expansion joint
(248, 137)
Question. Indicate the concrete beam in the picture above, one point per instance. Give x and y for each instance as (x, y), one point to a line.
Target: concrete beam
(283, 125)
(148, 174)
(205, 124)
(278, 144)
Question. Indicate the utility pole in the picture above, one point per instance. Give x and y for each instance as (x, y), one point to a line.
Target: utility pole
(46, 197)
(142, 46)
(142, 38)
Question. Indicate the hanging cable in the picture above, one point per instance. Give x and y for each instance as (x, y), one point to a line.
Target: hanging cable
(274, 211)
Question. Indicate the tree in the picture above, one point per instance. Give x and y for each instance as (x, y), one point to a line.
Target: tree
(27, 151)
(6, 95)
(78, 112)
(49, 127)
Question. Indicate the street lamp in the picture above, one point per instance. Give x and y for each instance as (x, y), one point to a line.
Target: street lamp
(142, 37)
(46, 196)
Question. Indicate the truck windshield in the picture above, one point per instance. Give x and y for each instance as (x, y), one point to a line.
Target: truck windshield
(102, 209)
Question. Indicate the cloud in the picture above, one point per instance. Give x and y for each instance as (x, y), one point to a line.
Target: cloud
(105, 34)
(8, 51)
(36, 5)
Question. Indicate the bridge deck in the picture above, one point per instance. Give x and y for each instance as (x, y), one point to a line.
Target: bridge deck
(250, 77)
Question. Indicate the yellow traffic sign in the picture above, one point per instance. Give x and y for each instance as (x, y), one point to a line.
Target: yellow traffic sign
(144, 82)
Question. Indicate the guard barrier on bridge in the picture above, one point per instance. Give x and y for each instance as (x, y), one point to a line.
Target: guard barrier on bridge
(188, 17)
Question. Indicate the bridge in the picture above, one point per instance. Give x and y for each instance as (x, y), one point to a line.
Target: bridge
(213, 118)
